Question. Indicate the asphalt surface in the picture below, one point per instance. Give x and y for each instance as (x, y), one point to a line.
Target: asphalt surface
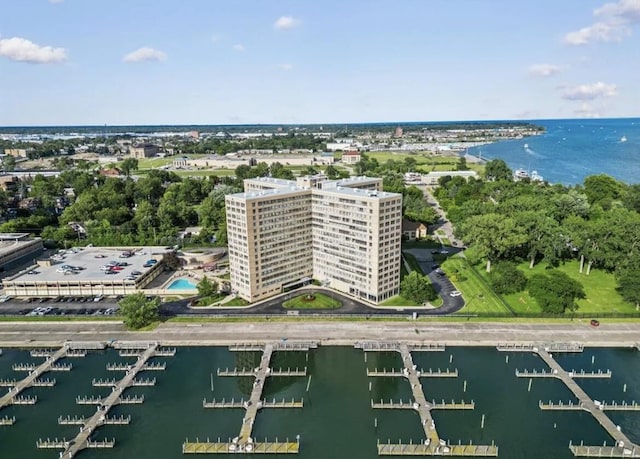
(326, 333)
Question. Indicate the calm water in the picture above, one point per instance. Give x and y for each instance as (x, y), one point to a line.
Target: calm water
(571, 150)
(181, 284)
(337, 420)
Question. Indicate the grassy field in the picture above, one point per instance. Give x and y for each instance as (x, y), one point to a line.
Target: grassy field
(321, 302)
(477, 293)
(599, 287)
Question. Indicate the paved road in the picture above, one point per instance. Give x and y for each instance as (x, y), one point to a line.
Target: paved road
(441, 282)
(350, 306)
(331, 332)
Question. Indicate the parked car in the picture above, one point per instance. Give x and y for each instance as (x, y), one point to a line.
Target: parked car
(455, 293)
(136, 273)
(595, 323)
(98, 298)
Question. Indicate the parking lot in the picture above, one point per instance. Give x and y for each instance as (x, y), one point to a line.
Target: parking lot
(86, 305)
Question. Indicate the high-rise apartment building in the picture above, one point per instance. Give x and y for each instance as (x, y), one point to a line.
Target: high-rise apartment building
(344, 233)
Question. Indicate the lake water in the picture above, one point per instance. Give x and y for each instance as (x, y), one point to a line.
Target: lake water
(337, 420)
(571, 150)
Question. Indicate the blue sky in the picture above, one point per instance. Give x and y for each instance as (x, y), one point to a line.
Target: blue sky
(315, 61)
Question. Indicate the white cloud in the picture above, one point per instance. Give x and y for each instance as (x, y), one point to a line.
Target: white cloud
(600, 31)
(590, 91)
(587, 111)
(544, 70)
(23, 50)
(286, 23)
(145, 54)
(286, 66)
(614, 25)
(56, 1)
(626, 10)
(238, 47)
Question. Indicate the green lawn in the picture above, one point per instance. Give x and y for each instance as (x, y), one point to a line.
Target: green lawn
(236, 302)
(321, 302)
(599, 287)
(477, 293)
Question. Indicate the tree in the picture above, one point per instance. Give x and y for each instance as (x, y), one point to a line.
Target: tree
(9, 163)
(629, 283)
(494, 235)
(497, 169)
(138, 311)
(207, 287)
(416, 287)
(129, 165)
(506, 278)
(602, 189)
(462, 164)
(277, 170)
(555, 292)
(332, 172)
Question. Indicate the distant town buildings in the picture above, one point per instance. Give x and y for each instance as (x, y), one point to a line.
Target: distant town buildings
(343, 233)
(351, 157)
(431, 178)
(145, 150)
(17, 152)
(398, 132)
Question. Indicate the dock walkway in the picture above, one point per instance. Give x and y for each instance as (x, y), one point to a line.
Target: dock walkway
(244, 443)
(10, 397)
(82, 440)
(433, 445)
(624, 447)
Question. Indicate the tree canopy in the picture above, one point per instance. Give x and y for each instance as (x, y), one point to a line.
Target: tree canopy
(138, 311)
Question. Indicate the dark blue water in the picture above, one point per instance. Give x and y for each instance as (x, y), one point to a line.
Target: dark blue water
(571, 150)
(337, 420)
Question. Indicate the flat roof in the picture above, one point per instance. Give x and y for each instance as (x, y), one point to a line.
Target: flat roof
(357, 192)
(90, 259)
(11, 245)
(13, 236)
(255, 194)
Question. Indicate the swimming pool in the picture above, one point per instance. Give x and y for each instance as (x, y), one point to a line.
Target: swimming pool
(182, 284)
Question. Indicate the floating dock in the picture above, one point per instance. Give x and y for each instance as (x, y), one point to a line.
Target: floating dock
(623, 446)
(83, 439)
(433, 445)
(13, 397)
(244, 443)
(572, 374)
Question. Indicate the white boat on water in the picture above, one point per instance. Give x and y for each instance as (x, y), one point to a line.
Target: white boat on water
(526, 145)
(521, 174)
(535, 177)
(623, 139)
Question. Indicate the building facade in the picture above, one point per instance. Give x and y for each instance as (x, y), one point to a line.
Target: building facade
(145, 150)
(345, 234)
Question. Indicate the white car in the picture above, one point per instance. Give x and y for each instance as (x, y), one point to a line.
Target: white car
(98, 298)
(455, 293)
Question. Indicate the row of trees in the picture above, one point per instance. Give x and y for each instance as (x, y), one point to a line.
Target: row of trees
(597, 222)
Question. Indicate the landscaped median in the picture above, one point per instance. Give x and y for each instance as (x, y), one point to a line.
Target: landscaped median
(312, 301)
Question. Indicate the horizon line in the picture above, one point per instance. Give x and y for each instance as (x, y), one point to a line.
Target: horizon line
(356, 123)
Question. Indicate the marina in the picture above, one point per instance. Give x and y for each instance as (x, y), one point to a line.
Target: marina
(369, 415)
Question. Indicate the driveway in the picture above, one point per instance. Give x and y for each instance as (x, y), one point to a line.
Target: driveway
(441, 282)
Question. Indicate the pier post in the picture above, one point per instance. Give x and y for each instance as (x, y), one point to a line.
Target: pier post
(530, 381)
(482, 422)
